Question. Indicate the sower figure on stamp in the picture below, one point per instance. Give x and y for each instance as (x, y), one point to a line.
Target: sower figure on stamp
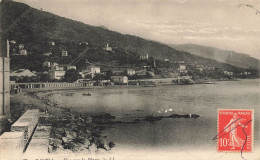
(232, 127)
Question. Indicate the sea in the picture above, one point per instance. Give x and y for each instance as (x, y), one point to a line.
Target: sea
(128, 103)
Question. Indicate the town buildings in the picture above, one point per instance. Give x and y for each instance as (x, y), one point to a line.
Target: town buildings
(46, 64)
(23, 52)
(130, 72)
(145, 56)
(68, 67)
(90, 70)
(47, 54)
(56, 74)
(21, 46)
(52, 43)
(119, 79)
(141, 72)
(107, 48)
(182, 68)
(64, 53)
(58, 71)
(228, 73)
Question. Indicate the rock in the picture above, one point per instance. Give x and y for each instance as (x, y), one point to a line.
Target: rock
(106, 146)
(111, 144)
(59, 131)
(50, 148)
(73, 134)
(92, 148)
(59, 146)
(99, 142)
(88, 133)
(78, 148)
(68, 135)
(152, 118)
(51, 141)
(66, 140)
(101, 151)
(57, 136)
(86, 142)
(195, 116)
(57, 142)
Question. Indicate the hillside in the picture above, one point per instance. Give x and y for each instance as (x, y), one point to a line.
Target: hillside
(230, 57)
(35, 29)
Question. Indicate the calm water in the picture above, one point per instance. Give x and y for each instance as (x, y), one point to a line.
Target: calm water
(128, 103)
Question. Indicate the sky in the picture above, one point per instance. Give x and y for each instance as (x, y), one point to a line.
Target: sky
(219, 23)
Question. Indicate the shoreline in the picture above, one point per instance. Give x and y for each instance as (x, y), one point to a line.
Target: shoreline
(42, 90)
(70, 131)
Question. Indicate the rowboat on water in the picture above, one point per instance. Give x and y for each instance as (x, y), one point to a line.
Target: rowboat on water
(86, 94)
(69, 94)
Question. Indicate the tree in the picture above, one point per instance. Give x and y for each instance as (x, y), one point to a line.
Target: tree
(99, 77)
(109, 73)
(71, 75)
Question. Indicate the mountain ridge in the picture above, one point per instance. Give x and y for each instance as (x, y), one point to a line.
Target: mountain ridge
(226, 56)
(36, 28)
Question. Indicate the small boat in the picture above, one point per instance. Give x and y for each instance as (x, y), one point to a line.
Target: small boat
(151, 85)
(86, 94)
(69, 94)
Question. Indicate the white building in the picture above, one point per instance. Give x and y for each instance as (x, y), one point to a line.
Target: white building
(21, 46)
(93, 69)
(90, 70)
(46, 64)
(64, 53)
(130, 71)
(47, 54)
(58, 68)
(228, 73)
(68, 67)
(53, 65)
(107, 48)
(56, 74)
(182, 68)
(52, 43)
(23, 52)
(119, 79)
(145, 56)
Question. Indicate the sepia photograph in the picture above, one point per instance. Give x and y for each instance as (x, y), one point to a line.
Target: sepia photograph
(129, 80)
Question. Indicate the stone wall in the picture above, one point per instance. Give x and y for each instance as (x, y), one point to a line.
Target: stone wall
(21, 131)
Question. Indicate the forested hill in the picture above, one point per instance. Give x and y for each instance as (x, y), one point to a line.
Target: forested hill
(35, 29)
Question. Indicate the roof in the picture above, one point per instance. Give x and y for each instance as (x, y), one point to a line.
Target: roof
(130, 69)
(22, 72)
(118, 76)
(93, 67)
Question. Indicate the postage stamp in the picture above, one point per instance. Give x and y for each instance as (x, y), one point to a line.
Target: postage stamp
(235, 130)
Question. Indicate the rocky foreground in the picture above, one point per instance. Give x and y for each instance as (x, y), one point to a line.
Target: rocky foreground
(69, 131)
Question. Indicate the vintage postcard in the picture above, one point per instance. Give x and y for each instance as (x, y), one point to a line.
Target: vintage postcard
(129, 79)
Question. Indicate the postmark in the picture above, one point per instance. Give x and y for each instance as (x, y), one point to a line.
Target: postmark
(235, 130)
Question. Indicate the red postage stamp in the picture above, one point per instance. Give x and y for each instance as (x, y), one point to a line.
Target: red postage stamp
(235, 130)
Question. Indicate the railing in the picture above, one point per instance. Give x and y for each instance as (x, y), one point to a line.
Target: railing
(50, 85)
